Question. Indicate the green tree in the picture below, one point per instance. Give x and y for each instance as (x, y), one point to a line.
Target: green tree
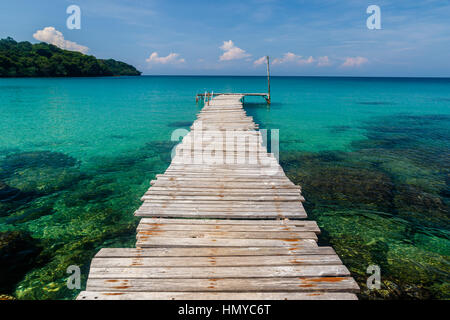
(23, 59)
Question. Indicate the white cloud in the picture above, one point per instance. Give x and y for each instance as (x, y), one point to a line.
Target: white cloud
(323, 61)
(307, 61)
(261, 60)
(354, 61)
(232, 52)
(55, 37)
(287, 57)
(171, 58)
(293, 58)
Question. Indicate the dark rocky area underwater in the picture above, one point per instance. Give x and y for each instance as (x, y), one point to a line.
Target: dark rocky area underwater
(54, 213)
(385, 203)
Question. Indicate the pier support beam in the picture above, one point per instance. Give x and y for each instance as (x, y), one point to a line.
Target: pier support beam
(268, 81)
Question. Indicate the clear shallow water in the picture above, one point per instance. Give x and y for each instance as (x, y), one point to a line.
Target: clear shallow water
(372, 156)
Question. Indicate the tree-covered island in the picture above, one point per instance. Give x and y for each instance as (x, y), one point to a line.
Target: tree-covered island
(23, 59)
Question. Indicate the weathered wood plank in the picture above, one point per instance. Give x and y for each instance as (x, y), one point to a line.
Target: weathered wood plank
(205, 242)
(212, 251)
(229, 222)
(236, 228)
(223, 211)
(236, 261)
(93, 295)
(239, 204)
(219, 272)
(215, 215)
(218, 185)
(268, 179)
(190, 191)
(318, 284)
(222, 197)
(217, 234)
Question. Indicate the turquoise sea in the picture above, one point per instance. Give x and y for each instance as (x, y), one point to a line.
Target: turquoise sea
(372, 156)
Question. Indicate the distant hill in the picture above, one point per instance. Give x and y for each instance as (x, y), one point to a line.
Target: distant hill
(23, 59)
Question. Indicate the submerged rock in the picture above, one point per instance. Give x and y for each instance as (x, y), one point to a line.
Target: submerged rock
(339, 129)
(34, 211)
(37, 159)
(13, 197)
(381, 204)
(7, 193)
(161, 149)
(375, 103)
(413, 203)
(327, 177)
(19, 254)
(180, 124)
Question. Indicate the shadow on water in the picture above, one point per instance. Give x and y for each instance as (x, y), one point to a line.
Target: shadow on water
(442, 99)
(375, 103)
(264, 105)
(180, 124)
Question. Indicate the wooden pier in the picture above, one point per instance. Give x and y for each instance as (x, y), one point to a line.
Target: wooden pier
(223, 222)
(210, 95)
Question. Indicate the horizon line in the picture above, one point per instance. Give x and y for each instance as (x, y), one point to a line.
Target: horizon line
(292, 76)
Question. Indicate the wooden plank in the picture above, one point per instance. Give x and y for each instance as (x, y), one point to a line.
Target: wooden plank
(219, 272)
(236, 261)
(239, 204)
(220, 193)
(230, 191)
(231, 132)
(317, 284)
(268, 179)
(211, 228)
(212, 251)
(227, 212)
(219, 208)
(260, 177)
(218, 185)
(205, 242)
(93, 295)
(230, 222)
(223, 197)
(234, 213)
(217, 234)
(216, 215)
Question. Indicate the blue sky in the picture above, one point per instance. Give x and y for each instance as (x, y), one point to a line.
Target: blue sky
(314, 37)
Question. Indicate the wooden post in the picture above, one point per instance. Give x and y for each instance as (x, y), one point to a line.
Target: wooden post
(268, 81)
